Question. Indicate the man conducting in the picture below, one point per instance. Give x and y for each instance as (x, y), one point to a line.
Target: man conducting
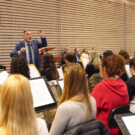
(29, 48)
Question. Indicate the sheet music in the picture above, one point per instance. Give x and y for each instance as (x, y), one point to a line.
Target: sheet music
(60, 73)
(33, 72)
(85, 61)
(3, 77)
(61, 84)
(52, 82)
(40, 93)
(128, 71)
(130, 123)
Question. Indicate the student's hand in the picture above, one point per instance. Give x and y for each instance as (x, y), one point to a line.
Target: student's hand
(40, 33)
(22, 50)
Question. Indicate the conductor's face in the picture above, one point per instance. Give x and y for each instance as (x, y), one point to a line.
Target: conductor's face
(27, 36)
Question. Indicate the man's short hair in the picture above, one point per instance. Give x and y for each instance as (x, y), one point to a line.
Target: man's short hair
(107, 53)
(25, 31)
(69, 56)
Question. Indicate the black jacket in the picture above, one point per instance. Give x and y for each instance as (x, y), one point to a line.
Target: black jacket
(91, 127)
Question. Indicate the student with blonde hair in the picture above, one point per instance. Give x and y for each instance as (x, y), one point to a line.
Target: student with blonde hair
(17, 115)
(76, 105)
(94, 65)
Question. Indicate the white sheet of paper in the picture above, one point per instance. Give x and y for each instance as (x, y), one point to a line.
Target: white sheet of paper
(40, 93)
(3, 77)
(130, 123)
(128, 71)
(60, 73)
(61, 83)
(85, 61)
(33, 72)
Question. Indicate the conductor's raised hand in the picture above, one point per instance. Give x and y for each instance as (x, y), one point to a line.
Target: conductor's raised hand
(40, 32)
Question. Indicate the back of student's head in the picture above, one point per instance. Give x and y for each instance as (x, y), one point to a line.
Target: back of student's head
(85, 50)
(19, 65)
(69, 57)
(132, 62)
(17, 115)
(75, 84)
(107, 53)
(125, 54)
(114, 65)
(95, 59)
(49, 63)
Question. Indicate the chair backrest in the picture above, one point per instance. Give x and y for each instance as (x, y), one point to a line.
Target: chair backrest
(119, 110)
(91, 127)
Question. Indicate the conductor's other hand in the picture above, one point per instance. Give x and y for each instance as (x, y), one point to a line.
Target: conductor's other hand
(22, 50)
(40, 32)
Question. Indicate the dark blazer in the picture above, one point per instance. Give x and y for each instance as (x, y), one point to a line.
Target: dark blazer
(63, 60)
(35, 45)
(131, 87)
(76, 57)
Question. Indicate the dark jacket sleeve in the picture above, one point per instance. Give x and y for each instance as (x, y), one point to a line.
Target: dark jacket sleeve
(43, 42)
(91, 127)
(15, 50)
(131, 90)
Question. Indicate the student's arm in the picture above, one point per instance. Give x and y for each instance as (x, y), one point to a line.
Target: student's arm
(61, 120)
(42, 127)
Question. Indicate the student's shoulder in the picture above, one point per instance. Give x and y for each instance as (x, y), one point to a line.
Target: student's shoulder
(67, 105)
(131, 80)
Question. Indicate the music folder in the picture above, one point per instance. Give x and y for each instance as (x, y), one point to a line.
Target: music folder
(33, 71)
(126, 123)
(61, 84)
(43, 98)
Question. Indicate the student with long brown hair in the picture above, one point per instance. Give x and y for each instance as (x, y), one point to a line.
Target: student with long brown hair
(49, 69)
(76, 105)
(17, 115)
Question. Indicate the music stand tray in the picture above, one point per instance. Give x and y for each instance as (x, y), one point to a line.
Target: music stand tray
(46, 49)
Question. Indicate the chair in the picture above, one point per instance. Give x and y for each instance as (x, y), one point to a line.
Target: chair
(3, 67)
(119, 110)
(90, 127)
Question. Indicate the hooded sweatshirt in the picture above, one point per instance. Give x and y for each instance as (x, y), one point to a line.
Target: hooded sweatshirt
(110, 94)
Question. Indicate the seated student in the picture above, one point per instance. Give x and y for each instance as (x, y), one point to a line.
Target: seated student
(49, 69)
(69, 58)
(111, 92)
(131, 85)
(85, 53)
(107, 53)
(96, 77)
(77, 55)
(125, 55)
(66, 49)
(19, 65)
(94, 65)
(76, 105)
(17, 115)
